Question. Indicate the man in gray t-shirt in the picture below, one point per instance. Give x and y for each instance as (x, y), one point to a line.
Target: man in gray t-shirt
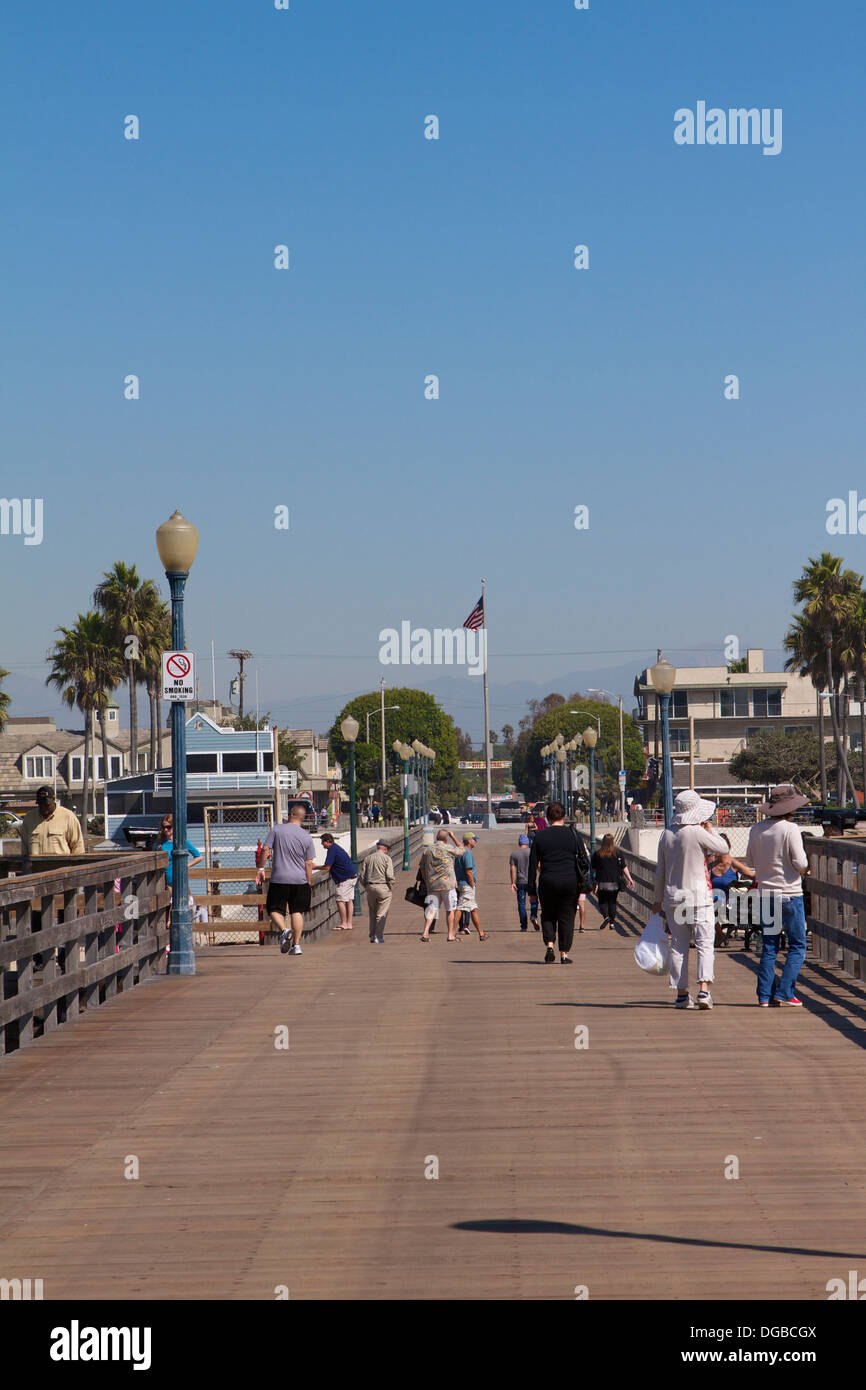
(289, 890)
(518, 868)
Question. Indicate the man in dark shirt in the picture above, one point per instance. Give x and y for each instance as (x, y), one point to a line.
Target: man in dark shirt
(345, 875)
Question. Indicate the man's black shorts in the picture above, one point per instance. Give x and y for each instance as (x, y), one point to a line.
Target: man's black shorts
(288, 897)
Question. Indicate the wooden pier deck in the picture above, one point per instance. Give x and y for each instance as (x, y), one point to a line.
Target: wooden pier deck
(265, 1168)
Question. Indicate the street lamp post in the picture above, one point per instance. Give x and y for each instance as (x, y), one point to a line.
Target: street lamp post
(590, 739)
(177, 542)
(404, 752)
(349, 728)
(602, 691)
(424, 755)
(561, 757)
(663, 677)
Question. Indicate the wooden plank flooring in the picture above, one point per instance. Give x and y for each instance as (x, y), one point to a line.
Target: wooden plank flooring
(601, 1167)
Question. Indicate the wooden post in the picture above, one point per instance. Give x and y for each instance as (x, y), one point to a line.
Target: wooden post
(691, 750)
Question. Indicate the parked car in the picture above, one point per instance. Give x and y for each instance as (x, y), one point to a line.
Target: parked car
(509, 813)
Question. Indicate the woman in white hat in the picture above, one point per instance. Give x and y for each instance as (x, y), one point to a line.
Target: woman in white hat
(684, 893)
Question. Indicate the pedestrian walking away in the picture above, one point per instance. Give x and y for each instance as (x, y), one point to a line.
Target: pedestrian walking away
(377, 880)
(610, 872)
(466, 874)
(440, 881)
(290, 888)
(780, 862)
(344, 874)
(684, 894)
(559, 866)
(518, 869)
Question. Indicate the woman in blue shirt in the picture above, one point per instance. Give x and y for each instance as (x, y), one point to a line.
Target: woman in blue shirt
(166, 844)
(724, 870)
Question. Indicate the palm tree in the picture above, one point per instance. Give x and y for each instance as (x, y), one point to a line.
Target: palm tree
(808, 657)
(856, 640)
(158, 641)
(4, 702)
(128, 603)
(829, 596)
(84, 668)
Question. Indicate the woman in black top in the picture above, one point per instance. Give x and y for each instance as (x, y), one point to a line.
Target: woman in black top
(610, 873)
(553, 865)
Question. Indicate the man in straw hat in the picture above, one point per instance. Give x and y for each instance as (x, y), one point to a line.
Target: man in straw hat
(776, 850)
(684, 892)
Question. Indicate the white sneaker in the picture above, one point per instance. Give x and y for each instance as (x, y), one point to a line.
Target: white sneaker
(295, 951)
(705, 999)
(685, 1001)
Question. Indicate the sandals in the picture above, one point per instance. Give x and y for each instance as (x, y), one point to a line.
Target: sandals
(482, 936)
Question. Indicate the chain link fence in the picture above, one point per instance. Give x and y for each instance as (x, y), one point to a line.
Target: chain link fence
(232, 836)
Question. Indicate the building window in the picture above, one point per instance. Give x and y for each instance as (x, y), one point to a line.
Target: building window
(856, 742)
(39, 767)
(734, 704)
(77, 765)
(796, 728)
(142, 762)
(679, 704)
(116, 764)
(239, 762)
(679, 740)
(267, 762)
(201, 762)
(767, 704)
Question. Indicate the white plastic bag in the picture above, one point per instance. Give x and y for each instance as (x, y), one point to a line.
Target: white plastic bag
(652, 952)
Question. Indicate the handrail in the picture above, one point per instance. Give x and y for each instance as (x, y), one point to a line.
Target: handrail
(67, 944)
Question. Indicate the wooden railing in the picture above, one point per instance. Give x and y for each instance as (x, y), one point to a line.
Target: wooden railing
(837, 887)
(69, 942)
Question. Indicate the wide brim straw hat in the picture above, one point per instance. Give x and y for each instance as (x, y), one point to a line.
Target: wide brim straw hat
(691, 809)
(783, 800)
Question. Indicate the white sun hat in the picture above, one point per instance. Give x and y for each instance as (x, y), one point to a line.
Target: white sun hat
(691, 809)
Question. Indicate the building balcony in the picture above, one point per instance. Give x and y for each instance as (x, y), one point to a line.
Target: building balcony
(224, 781)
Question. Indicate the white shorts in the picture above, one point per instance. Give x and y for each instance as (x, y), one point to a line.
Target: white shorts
(346, 890)
(446, 899)
(466, 899)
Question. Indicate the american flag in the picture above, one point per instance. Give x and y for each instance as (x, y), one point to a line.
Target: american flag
(476, 617)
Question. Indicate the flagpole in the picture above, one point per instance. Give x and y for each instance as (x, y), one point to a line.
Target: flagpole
(491, 819)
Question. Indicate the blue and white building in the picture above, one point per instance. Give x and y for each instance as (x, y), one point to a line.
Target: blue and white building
(226, 770)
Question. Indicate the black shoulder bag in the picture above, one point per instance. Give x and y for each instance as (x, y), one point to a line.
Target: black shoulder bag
(584, 867)
(416, 894)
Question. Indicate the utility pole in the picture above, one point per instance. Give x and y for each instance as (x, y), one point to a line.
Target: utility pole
(240, 656)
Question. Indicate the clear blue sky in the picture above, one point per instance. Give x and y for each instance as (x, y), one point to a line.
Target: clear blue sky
(410, 257)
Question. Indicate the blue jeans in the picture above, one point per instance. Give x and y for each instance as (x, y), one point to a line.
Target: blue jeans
(521, 905)
(793, 924)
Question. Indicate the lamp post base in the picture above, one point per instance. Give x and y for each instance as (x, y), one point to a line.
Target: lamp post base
(490, 821)
(181, 956)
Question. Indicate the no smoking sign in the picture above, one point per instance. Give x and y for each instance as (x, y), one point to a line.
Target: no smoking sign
(178, 676)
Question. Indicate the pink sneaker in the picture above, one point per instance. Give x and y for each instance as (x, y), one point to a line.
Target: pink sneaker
(793, 1002)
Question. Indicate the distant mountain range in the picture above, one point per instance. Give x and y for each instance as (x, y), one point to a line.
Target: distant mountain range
(460, 696)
